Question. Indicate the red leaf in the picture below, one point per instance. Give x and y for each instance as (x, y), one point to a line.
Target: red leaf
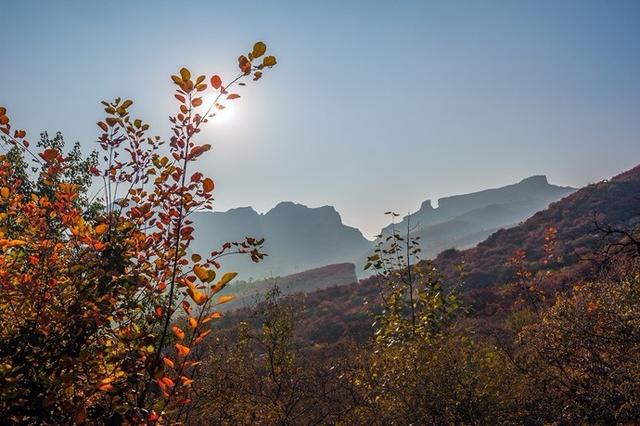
(216, 81)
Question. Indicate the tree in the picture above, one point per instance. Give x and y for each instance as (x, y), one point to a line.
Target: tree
(267, 377)
(581, 359)
(91, 298)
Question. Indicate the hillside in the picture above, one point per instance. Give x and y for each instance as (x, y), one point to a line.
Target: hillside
(614, 202)
(461, 221)
(335, 312)
(249, 292)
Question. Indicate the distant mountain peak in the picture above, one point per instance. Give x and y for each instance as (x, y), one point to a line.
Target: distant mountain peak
(426, 205)
(535, 180)
(289, 207)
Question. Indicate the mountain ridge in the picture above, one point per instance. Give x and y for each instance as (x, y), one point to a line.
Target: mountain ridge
(298, 237)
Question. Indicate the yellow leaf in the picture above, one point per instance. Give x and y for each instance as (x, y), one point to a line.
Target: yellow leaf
(197, 296)
(258, 49)
(205, 275)
(269, 61)
(223, 282)
(225, 299)
(228, 277)
(185, 74)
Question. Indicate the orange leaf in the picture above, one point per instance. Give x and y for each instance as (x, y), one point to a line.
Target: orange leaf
(216, 81)
(106, 387)
(193, 323)
(186, 381)
(182, 350)
(101, 229)
(178, 332)
(225, 299)
(168, 362)
(50, 154)
(212, 316)
(233, 96)
(159, 311)
(207, 185)
(197, 296)
(201, 336)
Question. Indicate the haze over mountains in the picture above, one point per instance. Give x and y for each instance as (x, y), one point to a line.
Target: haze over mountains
(337, 311)
(298, 238)
(462, 221)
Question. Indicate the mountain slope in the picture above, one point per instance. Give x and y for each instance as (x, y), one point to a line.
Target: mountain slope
(247, 293)
(614, 202)
(297, 238)
(339, 312)
(461, 221)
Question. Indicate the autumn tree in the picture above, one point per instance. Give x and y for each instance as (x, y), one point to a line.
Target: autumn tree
(93, 298)
(267, 377)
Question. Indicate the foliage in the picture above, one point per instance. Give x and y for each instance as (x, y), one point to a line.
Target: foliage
(264, 376)
(91, 296)
(581, 359)
(415, 304)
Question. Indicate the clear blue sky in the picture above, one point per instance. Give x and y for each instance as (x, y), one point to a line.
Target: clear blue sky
(373, 106)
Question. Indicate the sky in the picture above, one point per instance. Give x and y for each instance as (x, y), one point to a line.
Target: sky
(373, 106)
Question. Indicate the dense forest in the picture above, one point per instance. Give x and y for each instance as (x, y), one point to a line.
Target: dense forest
(109, 318)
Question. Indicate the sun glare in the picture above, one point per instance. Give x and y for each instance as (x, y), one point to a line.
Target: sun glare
(223, 115)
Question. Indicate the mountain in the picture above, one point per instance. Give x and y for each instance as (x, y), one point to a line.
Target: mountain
(462, 221)
(249, 292)
(297, 238)
(614, 202)
(341, 312)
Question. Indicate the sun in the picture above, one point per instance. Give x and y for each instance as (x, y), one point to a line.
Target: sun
(221, 116)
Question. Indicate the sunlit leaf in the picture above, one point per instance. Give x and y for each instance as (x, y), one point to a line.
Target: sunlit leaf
(207, 185)
(225, 299)
(182, 350)
(258, 49)
(185, 74)
(178, 332)
(269, 61)
(216, 81)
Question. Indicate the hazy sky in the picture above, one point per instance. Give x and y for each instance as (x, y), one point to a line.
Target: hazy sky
(373, 105)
